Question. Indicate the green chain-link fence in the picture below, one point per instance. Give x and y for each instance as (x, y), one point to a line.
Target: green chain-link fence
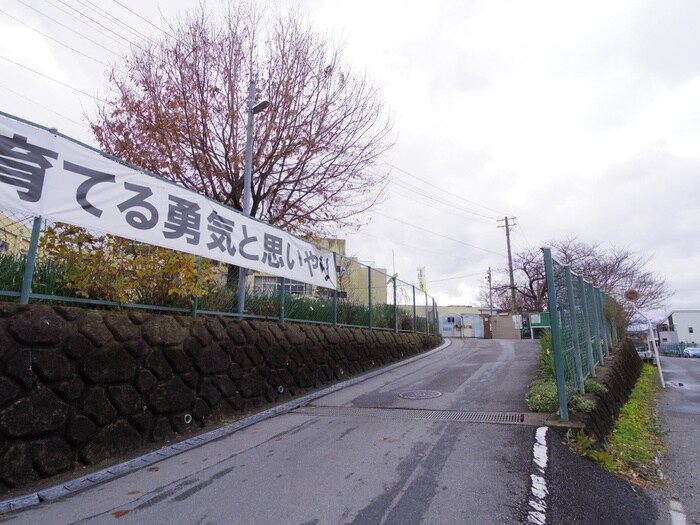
(583, 328)
(75, 265)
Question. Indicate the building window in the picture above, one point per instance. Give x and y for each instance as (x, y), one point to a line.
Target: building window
(690, 329)
(4, 246)
(325, 293)
(271, 285)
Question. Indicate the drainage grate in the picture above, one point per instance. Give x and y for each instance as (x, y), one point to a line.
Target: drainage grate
(510, 418)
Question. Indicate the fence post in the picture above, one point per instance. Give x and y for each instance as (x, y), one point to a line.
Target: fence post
(30, 262)
(282, 297)
(427, 316)
(556, 336)
(335, 292)
(615, 335)
(599, 325)
(396, 308)
(574, 329)
(195, 301)
(369, 280)
(587, 322)
(415, 312)
(606, 326)
(436, 321)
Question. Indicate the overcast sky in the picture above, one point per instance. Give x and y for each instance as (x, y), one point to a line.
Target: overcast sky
(579, 119)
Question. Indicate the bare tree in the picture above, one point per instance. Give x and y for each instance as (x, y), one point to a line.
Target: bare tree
(530, 285)
(614, 271)
(179, 108)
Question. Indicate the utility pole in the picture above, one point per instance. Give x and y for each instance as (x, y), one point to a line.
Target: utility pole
(253, 109)
(508, 226)
(488, 278)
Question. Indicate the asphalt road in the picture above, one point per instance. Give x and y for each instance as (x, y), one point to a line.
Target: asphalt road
(679, 409)
(373, 454)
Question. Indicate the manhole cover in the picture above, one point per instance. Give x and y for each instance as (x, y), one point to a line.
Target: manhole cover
(420, 394)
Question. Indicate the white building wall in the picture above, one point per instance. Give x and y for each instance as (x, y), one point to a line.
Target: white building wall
(686, 324)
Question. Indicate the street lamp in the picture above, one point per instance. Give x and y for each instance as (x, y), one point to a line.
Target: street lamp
(253, 109)
(632, 296)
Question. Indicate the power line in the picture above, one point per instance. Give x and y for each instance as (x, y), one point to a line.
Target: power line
(109, 16)
(455, 278)
(413, 247)
(55, 39)
(436, 234)
(16, 93)
(424, 195)
(142, 18)
(442, 200)
(51, 79)
(421, 197)
(82, 35)
(440, 189)
(91, 20)
(527, 242)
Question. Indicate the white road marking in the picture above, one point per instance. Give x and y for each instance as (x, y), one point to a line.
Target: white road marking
(537, 515)
(677, 512)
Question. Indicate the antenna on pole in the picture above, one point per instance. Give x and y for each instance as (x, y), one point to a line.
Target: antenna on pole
(509, 222)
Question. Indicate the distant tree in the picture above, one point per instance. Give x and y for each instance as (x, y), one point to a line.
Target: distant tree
(178, 107)
(615, 271)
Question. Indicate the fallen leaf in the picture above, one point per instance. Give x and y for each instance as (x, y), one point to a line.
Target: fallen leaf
(153, 469)
(132, 492)
(121, 513)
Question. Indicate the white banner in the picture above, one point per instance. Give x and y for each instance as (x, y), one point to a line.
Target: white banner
(47, 175)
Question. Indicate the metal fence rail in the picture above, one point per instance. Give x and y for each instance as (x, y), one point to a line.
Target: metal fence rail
(44, 261)
(674, 349)
(583, 328)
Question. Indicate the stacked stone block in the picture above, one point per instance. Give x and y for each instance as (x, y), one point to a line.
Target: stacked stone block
(84, 387)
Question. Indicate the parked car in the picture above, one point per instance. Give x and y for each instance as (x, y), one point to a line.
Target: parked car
(691, 351)
(645, 354)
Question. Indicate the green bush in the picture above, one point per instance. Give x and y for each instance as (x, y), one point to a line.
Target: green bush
(542, 396)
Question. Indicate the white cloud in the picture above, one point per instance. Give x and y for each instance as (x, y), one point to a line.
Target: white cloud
(579, 119)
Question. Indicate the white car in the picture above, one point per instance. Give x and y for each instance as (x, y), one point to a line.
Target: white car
(691, 351)
(645, 354)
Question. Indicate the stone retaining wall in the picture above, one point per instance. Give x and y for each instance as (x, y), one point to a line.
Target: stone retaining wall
(81, 387)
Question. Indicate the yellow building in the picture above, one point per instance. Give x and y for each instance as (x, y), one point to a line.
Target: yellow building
(14, 236)
(353, 279)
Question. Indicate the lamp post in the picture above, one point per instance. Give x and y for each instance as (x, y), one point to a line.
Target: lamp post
(253, 109)
(632, 296)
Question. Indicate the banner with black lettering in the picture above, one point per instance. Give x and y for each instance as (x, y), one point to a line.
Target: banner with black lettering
(46, 174)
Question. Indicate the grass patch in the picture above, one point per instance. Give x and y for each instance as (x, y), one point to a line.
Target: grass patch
(581, 404)
(542, 392)
(542, 396)
(636, 440)
(547, 370)
(591, 386)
